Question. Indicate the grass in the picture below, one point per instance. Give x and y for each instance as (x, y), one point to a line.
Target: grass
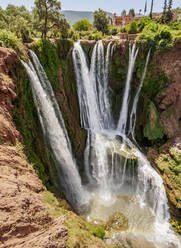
(80, 233)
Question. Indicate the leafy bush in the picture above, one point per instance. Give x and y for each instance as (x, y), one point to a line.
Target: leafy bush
(10, 40)
(176, 26)
(158, 36)
(132, 28)
(84, 34)
(82, 25)
(123, 30)
(144, 21)
(96, 36)
(75, 36)
(113, 30)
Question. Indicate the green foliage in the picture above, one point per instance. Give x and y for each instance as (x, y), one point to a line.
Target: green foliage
(132, 28)
(17, 20)
(176, 225)
(48, 57)
(79, 231)
(75, 36)
(154, 82)
(101, 21)
(176, 26)
(96, 36)
(113, 30)
(82, 25)
(63, 48)
(160, 37)
(123, 30)
(96, 231)
(62, 29)
(153, 130)
(47, 15)
(20, 147)
(141, 23)
(54, 207)
(132, 12)
(10, 40)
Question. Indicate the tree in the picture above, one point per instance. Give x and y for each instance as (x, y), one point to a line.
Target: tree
(82, 25)
(64, 28)
(123, 13)
(132, 28)
(169, 14)
(165, 7)
(101, 21)
(61, 29)
(47, 15)
(151, 11)
(145, 9)
(132, 12)
(17, 20)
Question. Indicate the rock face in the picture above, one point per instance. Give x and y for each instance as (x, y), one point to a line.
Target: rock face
(24, 219)
(8, 132)
(169, 100)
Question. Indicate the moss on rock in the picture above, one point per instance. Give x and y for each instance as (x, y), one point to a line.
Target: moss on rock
(47, 54)
(26, 119)
(117, 222)
(153, 129)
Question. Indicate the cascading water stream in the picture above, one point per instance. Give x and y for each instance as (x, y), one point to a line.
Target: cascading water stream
(95, 109)
(114, 167)
(122, 123)
(55, 134)
(135, 103)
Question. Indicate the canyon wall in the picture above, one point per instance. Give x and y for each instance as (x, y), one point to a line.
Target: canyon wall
(158, 131)
(30, 215)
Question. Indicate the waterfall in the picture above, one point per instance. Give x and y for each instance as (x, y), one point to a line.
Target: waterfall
(86, 91)
(55, 134)
(93, 86)
(117, 172)
(135, 102)
(122, 123)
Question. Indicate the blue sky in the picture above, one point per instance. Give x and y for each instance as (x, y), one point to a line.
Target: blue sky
(91, 5)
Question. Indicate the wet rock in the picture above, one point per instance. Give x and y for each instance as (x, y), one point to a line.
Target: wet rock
(117, 222)
(132, 241)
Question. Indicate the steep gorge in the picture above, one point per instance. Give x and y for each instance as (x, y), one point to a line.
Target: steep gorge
(158, 119)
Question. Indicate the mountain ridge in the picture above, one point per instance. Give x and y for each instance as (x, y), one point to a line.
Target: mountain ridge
(73, 16)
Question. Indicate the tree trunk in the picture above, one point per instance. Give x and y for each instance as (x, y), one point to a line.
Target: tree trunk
(151, 11)
(46, 21)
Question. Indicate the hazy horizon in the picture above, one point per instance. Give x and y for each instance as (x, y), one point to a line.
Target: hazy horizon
(111, 6)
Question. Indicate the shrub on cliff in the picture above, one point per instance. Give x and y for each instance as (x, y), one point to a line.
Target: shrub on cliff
(132, 28)
(96, 36)
(10, 40)
(141, 23)
(113, 30)
(160, 37)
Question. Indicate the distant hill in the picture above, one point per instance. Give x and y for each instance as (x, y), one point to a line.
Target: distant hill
(74, 16)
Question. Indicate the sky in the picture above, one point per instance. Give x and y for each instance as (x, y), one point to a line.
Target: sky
(92, 5)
